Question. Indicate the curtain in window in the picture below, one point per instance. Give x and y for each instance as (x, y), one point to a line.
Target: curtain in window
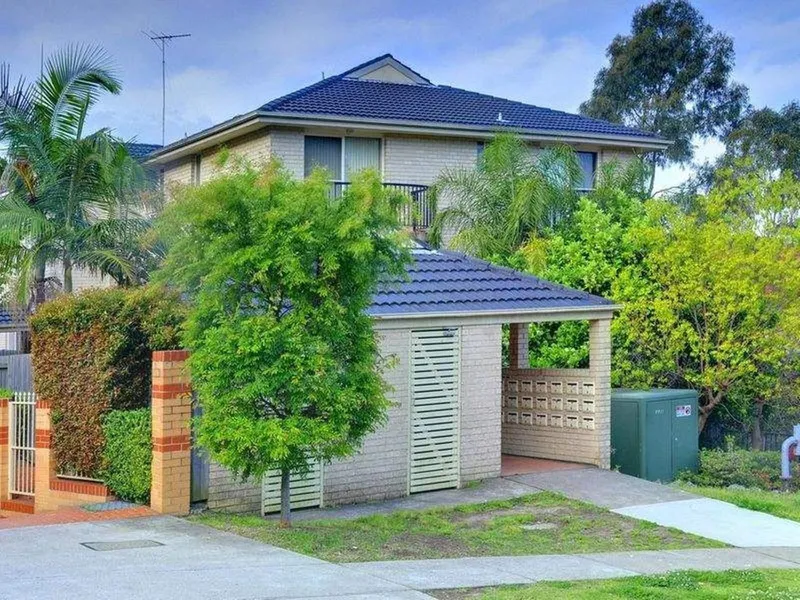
(360, 154)
(325, 152)
(587, 161)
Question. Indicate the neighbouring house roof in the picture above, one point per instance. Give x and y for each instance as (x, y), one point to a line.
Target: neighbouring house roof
(443, 282)
(11, 318)
(141, 151)
(385, 92)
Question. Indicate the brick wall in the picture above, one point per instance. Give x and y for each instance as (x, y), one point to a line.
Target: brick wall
(481, 382)
(230, 494)
(253, 147)
(380, 469)
(177, 173)
(289, 146)
(171, 414)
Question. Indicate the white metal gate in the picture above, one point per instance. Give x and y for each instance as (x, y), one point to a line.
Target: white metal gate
(305, 491)
(435, 383)
(22, 447)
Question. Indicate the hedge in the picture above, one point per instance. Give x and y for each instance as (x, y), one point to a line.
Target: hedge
(127, 454)
(747, 468)
(91, 354)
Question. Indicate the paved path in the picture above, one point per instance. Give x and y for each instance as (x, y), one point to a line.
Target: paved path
(669, 506)
(502, 570)
(12, 520)
(192, 562)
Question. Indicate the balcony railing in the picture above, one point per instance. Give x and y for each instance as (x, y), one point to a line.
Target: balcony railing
(418, 214)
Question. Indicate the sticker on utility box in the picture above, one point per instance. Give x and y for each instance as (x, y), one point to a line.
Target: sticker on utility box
(683, 410)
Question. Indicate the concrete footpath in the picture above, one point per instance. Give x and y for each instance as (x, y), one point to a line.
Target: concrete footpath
(171, 559)
(669, 506)
(505, 570)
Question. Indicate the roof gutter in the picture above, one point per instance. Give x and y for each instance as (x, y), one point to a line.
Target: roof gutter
(244, 123)
(523, 315)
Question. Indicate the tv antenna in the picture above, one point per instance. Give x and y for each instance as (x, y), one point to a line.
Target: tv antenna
(161, 40)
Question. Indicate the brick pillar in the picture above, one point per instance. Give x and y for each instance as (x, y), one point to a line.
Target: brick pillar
(4, 448)
(171, 413)
(518, 346)
(600, 369)
(45, 470)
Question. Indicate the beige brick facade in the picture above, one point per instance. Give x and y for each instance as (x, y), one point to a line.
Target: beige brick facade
(230, 494)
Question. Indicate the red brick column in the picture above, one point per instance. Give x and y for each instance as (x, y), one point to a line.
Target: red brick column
(171, 414)
(4, 448)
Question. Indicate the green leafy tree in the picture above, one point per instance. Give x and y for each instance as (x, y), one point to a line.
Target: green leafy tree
(672, 76)
(511, 195)
(280, 273)
(717, 308)
(69, 199)
(588, 252)
(765, 140)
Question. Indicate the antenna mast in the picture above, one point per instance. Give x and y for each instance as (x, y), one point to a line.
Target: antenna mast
(161, 40)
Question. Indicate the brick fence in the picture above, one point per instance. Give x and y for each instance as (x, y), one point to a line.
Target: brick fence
(171, 408)
(172, 412)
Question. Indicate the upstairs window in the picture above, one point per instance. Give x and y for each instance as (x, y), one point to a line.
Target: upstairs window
(588, 164)
(342, 156)
(325, 152)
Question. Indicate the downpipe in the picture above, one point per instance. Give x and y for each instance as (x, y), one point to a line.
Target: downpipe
(786, 448)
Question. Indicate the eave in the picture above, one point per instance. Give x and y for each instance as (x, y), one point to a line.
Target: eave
(255, 120)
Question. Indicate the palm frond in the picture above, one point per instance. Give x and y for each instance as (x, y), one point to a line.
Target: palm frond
(73, 79)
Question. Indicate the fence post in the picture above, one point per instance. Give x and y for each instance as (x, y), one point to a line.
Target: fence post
(45, 470)
(171, 415)
(4, 448)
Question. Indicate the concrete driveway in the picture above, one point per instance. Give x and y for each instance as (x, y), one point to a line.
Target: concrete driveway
(164, 557)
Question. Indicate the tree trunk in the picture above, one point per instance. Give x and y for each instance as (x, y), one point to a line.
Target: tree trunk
(67, 276)
(756, 434)
(39, 295)
(286, 507)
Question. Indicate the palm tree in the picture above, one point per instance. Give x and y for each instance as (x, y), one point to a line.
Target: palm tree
(66, 198)
(510, 196)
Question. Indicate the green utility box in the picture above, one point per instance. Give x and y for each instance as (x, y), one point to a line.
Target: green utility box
(654, 432)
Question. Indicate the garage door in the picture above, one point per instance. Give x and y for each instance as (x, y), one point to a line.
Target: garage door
(435, 382)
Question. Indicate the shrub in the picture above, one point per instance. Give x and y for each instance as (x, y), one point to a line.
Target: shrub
(748, 468)
(5, 393)
(91, 354)
(127, 454)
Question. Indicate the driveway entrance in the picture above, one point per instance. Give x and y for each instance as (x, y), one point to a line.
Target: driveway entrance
(165, 557)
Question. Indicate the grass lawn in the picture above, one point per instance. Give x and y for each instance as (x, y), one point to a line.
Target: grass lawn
(786, 505)
(543, 523)
(691, 585)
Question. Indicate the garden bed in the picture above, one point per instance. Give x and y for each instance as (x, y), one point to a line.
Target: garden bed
(543, 523)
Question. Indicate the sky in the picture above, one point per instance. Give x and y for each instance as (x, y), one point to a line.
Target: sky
(243, 53)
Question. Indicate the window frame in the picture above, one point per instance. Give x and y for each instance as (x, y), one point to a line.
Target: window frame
(343, 145)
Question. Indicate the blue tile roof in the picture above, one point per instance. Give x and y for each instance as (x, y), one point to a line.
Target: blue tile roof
(139, 151)
(347, 97)
(5, 317)
(441, 281)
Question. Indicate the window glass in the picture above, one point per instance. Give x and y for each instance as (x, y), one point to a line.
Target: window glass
(360, 154)
(588, 163)
(325, 152)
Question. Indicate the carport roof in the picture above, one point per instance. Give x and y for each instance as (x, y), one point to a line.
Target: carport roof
(441, 282)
